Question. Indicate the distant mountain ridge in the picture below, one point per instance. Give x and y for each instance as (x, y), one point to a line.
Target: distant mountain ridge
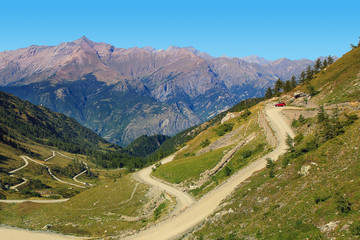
(125, 93)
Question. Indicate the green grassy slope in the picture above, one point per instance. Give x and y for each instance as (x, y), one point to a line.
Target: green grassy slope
(20, 120)
(312, 191)
(293, 205)
(340, 82)
(194, 160)
(95, 212)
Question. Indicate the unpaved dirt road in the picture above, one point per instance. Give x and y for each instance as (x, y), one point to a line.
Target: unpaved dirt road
(183, 199)
(8, 233)
(195, 214)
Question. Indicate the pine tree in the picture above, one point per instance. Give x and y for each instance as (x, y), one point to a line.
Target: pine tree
(322, 115)
(293, 82)
(325, 64)
(278, 86)
(287, 86)
(268, 93)
(330, 60)
(302, 77)
(317, 65)
(270, 164)
(309, 73)
(290, 143)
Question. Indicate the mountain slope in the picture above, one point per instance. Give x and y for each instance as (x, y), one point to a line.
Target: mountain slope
(113, 90)
(21, 120)
(311, 191)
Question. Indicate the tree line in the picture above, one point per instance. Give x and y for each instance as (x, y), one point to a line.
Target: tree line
(304, 77)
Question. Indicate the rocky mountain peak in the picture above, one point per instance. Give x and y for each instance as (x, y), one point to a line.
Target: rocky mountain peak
(256, 59)
(132, 91)
(84, 39)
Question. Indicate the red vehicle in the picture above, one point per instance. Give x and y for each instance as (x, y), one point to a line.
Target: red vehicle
(280, 104)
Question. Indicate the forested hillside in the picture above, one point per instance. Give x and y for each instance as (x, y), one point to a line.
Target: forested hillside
(21, 120)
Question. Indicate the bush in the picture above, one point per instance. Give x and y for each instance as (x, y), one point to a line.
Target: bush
(355, 228)
(246, 153)
(301, 119)
(246, 113)
(271, 166)
(342, 203)
(37, 184)
(227, 171)
(312, 90)
(350, 119)
(30, 193)
(321, 197)
(298, 122)
(295, 123)
(224, 128)
(159, 210)
(298, 138)
(2, 195)
(205, 143)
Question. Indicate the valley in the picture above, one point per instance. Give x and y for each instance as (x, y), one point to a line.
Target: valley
(192, 212)
(122, 94)
(229, 177)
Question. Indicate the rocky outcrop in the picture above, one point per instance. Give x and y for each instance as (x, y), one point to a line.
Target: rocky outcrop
(231, 115)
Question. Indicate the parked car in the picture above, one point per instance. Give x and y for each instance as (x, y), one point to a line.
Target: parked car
(280, 104)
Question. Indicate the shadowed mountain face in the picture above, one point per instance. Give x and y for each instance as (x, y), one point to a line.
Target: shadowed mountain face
(125, 93)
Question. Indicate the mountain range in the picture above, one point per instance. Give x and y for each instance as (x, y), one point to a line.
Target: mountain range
(124, 93)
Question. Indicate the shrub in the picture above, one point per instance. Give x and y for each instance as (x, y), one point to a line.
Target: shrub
(271, 166)
(312, 90)
(298, 138)
(350, 119)
(30, 193)
(342, 203)
(355, 228)
(37, 184)
(321, 197)
(159, 210)
(2, 195)
(227, 171)
(246, 153)
(205, 143)
(301, 119)
(246, 113)
(295, 123)
(224, 128)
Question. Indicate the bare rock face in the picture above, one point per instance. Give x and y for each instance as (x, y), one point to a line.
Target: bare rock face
(231, 115)
(124, 93)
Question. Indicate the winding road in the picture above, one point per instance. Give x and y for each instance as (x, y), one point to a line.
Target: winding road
(196, 213)
(26, 160)
(183, 199)
(191, 213)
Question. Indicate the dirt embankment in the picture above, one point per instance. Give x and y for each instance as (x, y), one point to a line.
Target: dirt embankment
(270, 136)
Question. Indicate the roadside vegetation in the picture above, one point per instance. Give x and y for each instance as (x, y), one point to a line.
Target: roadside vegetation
(311, 192)
(207, 149)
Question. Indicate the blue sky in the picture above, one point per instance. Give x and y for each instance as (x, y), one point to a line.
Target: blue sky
(271, 29)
